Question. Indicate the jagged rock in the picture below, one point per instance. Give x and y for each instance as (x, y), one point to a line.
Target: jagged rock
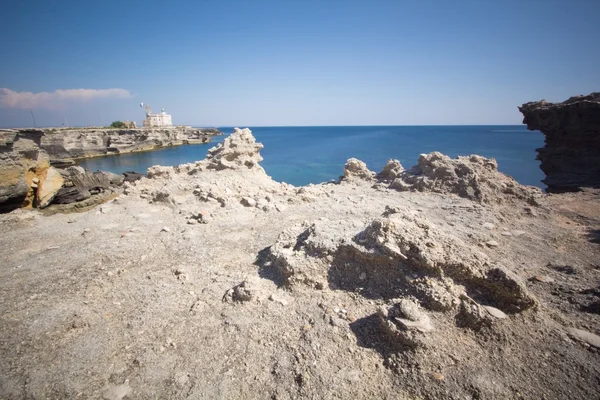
(473, 177)
(239, 293)
(570, 158)
(400, 254)
(21, 161)
(405, 322)
(48, 187)
(239, 151)
(131, 176)
(357, 169)
(391, 170)
(81, 185)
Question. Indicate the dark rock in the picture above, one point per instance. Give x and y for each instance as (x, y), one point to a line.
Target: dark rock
(570, 159)
(83, 185)
(67, 195)
(131, 176)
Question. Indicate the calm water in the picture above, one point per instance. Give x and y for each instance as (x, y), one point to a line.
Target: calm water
(302, 155)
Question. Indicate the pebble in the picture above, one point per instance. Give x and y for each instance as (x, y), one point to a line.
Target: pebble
(587, 337)
(278, 299)
(506, 233)
(165, 229)
(518, 233)
(543, 278)
(437, 376)
(492, 243)
(489, 225)
(363, 276)
(494, 312)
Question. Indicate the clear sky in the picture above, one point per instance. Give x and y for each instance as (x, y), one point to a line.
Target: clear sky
(287, 62)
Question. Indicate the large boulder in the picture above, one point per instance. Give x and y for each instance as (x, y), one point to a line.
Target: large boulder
(48, 187)
(570, 158)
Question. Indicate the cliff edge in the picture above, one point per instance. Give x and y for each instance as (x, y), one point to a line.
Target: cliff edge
(570, 159)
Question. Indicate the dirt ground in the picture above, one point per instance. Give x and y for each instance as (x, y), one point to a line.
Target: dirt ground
(138, 298)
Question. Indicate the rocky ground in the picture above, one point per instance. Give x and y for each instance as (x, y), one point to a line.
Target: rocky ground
(210, 280)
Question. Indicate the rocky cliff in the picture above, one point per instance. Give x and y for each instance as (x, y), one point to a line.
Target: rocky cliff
(571, 157)
(22, 166)
(63, 145)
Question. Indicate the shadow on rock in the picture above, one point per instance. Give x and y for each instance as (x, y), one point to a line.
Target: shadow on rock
(265, 267)
(370, 334)
(594, 236)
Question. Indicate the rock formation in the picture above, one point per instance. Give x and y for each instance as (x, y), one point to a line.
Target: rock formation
(27, 177)
(472, 177)
(211, 280)
(65, 144)
(571, 157)
(23, 165)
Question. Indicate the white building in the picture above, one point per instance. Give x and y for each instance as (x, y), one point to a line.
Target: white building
(161, 119)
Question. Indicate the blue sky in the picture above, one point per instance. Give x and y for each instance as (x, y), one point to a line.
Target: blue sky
(259, 63)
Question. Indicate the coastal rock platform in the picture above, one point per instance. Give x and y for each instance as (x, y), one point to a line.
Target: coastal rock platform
(446, 280)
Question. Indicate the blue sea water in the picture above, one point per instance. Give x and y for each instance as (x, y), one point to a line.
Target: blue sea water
(302, 155)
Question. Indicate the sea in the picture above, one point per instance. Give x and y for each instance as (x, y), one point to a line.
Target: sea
(300, 155)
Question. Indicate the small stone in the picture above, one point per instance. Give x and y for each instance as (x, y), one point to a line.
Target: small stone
(248, 202)
(489, 225)
(492, 243)
(494, 312)
(165, 229)
(278, 299)
(86, 230)
(585, 336)
(362, 276)
(437, 376)
(518, 233)
(506, 233)
(543, 278)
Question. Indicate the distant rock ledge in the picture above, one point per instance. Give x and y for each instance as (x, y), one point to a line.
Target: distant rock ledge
(63, 145)
(571, 157)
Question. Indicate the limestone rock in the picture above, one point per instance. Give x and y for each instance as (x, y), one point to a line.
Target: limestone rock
(49, 187)
(21, 161)
(239, 151)
(357, 169)
(405, 322)
(239, 293)
(396, 255)
(472, 177)
(391, 170)
(585, 336)
(570, 157)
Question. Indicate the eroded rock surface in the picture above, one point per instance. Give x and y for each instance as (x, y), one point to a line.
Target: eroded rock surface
(570, 158)
(211, 280)
(472, 177)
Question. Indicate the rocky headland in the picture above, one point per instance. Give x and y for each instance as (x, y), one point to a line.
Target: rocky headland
(571, 157)
(447, 280)
(35, 164)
